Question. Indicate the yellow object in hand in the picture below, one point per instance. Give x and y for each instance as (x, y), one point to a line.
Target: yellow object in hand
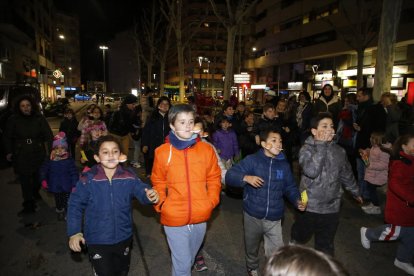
(304, 197)
(83, 155)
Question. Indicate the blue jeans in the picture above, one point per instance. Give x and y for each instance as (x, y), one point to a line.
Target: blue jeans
(389, 232)
(361, 182)
(184, 242)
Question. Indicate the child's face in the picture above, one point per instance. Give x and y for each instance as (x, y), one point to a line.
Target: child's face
(68, 115)
(325, 130)
(270, 113)
(164, 106)
(108, 155)
(225, 125)
(59, 150)
(409, 147)
(96, 113)
(183, 125)
(273, 144)
(249, 119)
(229, 111)
(96, 133)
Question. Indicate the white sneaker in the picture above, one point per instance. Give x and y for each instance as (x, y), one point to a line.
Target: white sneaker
(366, 243)
(368, 206)
(375, 210)
(407, 267)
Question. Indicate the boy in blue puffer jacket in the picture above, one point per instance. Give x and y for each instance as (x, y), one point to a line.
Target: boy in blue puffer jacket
(101, 203)
(266, 178)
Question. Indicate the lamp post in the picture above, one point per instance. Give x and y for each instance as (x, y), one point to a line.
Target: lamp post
(62, 82)
(200, 62)
(315, 71)
(104, 48)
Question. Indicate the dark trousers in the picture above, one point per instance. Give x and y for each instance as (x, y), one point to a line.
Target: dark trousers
(111, 260)
(30, 185)
(323, 226)
(373, 194)
(149, 161)
(61, 200)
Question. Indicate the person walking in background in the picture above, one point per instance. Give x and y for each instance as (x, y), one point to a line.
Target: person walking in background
(266, 177)
(136, 137)
(27, 140)
(96, 115)
(393, 118)
(247, 137)
(399, 208)
(189, 169)
(328, 101)
(325, 168)
(59, 174)
(69, 126)
(99, 212)
(155, 130)
(225, 141)
(122, 120)
(303, 116)
(376, 172)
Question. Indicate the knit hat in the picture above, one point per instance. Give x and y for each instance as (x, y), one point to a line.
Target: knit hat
(60, 140)
(130, 99)
(97, 125)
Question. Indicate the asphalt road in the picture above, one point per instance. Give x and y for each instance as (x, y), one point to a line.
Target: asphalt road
(37, 245)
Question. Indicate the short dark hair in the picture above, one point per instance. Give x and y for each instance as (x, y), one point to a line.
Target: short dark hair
(268, 106)
(321, 115)
(103, 139)
(365, 91)
(264, 134)
(163, 98)
(179, 108)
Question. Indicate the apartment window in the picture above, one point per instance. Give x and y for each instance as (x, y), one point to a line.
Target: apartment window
(305, 19)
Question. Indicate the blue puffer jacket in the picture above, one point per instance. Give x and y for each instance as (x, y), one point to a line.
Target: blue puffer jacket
(61, 176)
(106, 204)
(265, 202)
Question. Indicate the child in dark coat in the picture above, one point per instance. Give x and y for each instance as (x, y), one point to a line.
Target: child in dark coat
(59, 174)
(69, 126)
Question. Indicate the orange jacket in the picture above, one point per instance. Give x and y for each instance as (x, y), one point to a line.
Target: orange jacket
(188, 183)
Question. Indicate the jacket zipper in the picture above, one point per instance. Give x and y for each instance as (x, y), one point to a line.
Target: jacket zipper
(268, 188)
(188, 186)
(112, 205)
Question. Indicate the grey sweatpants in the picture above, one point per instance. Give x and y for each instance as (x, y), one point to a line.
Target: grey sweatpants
(184, 242)
(389, 232)
(256, 229)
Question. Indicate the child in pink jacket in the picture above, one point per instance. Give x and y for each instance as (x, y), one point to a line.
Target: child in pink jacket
(376, 172)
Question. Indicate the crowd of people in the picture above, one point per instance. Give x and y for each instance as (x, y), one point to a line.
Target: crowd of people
(191, 155)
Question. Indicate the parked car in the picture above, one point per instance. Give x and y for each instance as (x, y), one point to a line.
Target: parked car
(82, 97)
(56, 108)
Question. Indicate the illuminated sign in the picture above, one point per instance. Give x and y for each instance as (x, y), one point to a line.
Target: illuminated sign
(242, 78)
(57, 74)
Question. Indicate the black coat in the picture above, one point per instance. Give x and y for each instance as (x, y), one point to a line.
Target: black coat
(155, 130)
(26, 138)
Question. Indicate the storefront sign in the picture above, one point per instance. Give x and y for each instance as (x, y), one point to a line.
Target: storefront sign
(242, 78)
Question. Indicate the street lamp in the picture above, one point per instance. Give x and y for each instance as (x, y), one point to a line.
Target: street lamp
(315, 71)
(104, 48)
(200, 62)
(62, 83)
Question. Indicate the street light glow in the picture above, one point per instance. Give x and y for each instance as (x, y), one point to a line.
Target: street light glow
(254, 49)
(103, 47)
(70, 68)
(61, 36)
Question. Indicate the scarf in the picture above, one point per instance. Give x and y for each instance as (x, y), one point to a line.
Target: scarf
(182, 144)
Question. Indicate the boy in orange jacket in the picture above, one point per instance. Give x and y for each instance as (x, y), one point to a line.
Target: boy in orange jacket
(187, 177)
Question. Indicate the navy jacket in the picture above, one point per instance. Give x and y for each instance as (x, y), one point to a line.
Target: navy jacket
(265, 202)
(61, 176)
(106, 204)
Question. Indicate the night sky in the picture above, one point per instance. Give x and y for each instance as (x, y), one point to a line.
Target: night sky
(99, 21)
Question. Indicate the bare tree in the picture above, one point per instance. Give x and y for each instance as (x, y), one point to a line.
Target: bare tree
(137, 52)
(172, 11)
(162, 54)
(236, 11)
(391, 11)
(361, 29)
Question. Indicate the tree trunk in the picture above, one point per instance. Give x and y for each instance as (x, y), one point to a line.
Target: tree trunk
(162, 78)
(149, 74)
(391, 10)
(180, 56)
(360, 67)
(228, 81)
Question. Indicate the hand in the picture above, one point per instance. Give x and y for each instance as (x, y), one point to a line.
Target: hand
(152, 195)
(301, 205)
(74, 242)
(145, 149)
(359, 199)
(356, 127)
(9, 157)
(253, 180)
(44, 184)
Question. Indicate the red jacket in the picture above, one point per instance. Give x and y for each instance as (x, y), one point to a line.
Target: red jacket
(399, 209)
(188, 182)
